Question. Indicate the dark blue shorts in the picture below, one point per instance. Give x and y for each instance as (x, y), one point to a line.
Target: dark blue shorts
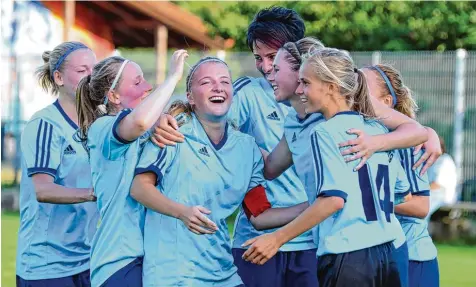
(401, 257)
(424, 273)
(369, 267)
(128, 276)
(82, 279)
(293, 268)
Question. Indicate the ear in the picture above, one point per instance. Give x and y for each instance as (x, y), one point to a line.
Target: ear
(332, 88)
(388, 100)
(58, 78)
(190, 98)
(114, 97)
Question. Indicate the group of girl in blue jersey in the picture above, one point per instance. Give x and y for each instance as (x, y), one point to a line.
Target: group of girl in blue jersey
(102, 205)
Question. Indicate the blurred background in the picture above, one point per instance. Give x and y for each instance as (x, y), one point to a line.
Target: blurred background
(433, 44)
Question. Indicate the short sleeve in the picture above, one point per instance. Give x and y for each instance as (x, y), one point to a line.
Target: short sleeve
(240, 108)
(41, 147)
(105, 133)
(155, 159)
(402, 186)
(328, 165)
(256, 201)
(419, 184)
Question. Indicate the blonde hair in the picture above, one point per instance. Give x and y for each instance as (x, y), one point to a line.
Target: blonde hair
(181, 110)
(55, 60)
(404, 103)
(295, 50)
(91, 94)
(337, 67)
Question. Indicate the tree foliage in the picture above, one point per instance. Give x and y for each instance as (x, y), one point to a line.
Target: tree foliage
(356, 26)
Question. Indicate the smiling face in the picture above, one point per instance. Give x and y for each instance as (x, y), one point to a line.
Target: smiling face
(264, 57)
(283, 78)
(211, 91)
(312, 91)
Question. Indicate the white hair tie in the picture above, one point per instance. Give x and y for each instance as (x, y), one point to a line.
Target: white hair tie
(118, 75)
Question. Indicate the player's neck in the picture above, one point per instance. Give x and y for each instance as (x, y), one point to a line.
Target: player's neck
(68, 105)
(214, 130)
(334, 107)
(298, 106)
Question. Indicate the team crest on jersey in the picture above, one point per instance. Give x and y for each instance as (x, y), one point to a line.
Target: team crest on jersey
(390, 156)
(69, 150)
(294, 138)
(273, 116)
(203, 151)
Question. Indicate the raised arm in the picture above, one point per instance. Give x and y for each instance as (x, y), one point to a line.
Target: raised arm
(146, 114)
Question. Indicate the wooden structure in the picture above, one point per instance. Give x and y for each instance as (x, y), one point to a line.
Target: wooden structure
(131, 24)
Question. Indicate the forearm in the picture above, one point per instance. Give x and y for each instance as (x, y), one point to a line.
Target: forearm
(278, 161)
(54, 193)
(406, 135)
(146, 114)
(273, 167)
(150, 197)
(277, 217)
(312, 216)
(417, 207)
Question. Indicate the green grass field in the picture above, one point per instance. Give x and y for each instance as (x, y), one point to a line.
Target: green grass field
(457, 263)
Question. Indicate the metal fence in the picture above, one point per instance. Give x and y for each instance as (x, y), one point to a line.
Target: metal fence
(444, 85)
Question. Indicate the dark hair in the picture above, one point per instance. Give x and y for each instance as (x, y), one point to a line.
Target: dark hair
(274, 27)
(55, 60)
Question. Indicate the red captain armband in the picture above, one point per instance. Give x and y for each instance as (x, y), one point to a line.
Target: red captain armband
(256, 202)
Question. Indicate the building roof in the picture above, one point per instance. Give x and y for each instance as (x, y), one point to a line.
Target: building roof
(133, 24)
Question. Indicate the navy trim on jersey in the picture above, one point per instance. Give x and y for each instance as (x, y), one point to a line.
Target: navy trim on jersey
(219, 145)
(422, 193)
(241, 85)
(346, 113)
(45, 131)
(65, 116)
(150, 168)
(122, 115)
(334, 192)
(240, 80)
(302, 120)
(319, 174)
(35, 170)
(400, 197)
(412, 156)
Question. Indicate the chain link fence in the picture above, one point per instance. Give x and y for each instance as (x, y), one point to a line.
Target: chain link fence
(444, 86)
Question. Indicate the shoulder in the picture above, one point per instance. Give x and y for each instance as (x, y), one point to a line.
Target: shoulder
(49, 114)
(247, 85)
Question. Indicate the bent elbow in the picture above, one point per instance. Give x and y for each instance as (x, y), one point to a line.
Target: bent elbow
(423, 212)
(337, 203)
(268, 175)
(40, 196)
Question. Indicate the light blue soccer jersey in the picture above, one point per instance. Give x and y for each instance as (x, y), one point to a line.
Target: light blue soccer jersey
(420, 244)
(197, 172)
(54, 239)
(119, 238)
(367, 218)
(256, 112)
(297, 132)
